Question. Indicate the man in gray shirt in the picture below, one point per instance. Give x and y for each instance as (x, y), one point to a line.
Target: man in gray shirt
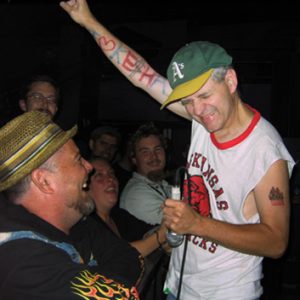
(146, 191)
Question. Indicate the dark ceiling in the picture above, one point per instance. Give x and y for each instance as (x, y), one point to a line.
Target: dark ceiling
(31, 31)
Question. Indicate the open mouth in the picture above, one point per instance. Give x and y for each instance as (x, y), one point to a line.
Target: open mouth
(111, 189)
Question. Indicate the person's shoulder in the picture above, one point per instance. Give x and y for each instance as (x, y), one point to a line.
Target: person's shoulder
(265, 135)
(28, 251)
(34, 268)
(136, 178)
(136, 184)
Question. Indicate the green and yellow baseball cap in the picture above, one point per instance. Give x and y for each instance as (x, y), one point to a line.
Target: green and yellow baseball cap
(191, 67)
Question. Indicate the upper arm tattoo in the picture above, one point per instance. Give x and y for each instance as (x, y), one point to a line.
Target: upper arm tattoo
(276, 196)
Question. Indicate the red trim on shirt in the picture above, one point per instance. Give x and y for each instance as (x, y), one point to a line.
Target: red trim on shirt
(241, 137)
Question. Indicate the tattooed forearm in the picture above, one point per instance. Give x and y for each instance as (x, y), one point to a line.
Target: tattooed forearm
(276, 197)
(124, 57)
(132, 65)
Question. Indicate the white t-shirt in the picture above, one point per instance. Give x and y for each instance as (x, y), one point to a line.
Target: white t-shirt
(221, 177)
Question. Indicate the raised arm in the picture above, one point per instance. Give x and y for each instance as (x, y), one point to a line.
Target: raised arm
(128, 62)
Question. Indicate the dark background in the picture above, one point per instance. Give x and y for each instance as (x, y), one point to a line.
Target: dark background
(263, 38)
(39, 37)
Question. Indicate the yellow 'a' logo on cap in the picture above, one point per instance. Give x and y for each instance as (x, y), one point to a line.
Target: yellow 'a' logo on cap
(177, 70)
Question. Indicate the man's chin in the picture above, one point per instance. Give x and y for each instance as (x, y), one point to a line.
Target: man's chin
(86, 207)
(46, 111)
(156, 175)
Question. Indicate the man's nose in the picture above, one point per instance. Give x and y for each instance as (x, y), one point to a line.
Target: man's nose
(153, 154)
(197, 107)
(87, 165)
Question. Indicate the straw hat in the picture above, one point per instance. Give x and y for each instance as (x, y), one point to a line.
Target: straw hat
(26, 142)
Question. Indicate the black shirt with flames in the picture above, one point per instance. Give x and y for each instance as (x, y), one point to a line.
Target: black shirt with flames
(40, 262)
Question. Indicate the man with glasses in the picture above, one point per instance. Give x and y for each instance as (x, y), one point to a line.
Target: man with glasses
(40, 93)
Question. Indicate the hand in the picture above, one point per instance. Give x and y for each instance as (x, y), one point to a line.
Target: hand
(180, 217)
(78, 10)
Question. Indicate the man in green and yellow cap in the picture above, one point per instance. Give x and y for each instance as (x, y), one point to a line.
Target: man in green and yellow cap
(236, 201)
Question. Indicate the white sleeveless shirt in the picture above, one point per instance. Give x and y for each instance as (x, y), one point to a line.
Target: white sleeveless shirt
(222, 175)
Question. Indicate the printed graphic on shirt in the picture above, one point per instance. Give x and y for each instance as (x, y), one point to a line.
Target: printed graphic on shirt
(89, 285)
(199, 201)
(199, 195)
(202, 243)
(201, 164)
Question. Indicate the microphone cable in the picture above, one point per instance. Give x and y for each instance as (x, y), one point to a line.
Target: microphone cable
(177, 182)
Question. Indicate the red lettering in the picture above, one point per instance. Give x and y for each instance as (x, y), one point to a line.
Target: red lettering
(195, 160)
(149, 76)
(203, 161)
(209, 176)
(203, 244)
(208, 172)
(213, 181)
(213, 248)
(129, 62)
(188, 164)
(218, 192)
(222, 205)
(195, 240)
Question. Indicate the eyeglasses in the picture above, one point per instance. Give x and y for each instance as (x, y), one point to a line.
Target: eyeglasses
(38, 97)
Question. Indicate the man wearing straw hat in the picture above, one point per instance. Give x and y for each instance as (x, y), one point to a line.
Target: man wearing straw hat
(44, 179)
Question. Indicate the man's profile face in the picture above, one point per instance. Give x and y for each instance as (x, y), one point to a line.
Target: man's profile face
(71, 177)
(41, 96)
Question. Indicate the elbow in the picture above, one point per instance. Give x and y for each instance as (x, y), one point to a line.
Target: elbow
(278, 250)
(277, 255)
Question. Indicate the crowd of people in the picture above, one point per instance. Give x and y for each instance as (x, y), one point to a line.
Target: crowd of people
(69, 231)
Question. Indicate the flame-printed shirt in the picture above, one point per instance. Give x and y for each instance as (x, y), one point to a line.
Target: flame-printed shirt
(39, 261)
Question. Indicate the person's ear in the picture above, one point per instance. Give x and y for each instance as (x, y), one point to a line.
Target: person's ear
(133, 159)
(231, 80)
(22, 105)
(91, 144)
(56, 109)
(42, 180)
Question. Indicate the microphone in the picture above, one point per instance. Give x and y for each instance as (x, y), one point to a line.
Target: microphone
(174, 239)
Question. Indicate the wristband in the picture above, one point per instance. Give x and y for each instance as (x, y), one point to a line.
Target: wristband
(158, 241)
